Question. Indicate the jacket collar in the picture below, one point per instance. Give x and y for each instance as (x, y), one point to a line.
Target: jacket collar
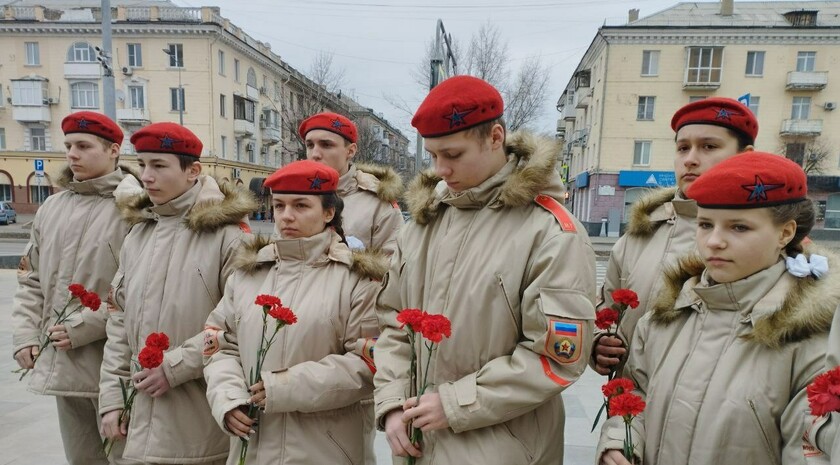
(347, 182)
(179, 206)
(739, 296)
(213, 207)
(792, 310)
(381, 181)
(103, 185)
(315, 250)
(529, 172)
(657, 207)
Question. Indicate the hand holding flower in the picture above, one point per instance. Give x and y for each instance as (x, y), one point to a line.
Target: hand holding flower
(258, 394)
(426, 416)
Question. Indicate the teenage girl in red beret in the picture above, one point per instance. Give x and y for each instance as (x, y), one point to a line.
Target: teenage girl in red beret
(319, 369)
(740, 330)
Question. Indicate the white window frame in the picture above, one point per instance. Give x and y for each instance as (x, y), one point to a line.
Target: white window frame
(251, 77)
(221, 58)
(38, 143)
(646, 108)
(177, 96)
(651, 59)
(238, 148)
(84, 94)
(176, 55)
(237, 70)
(800, 109)
(639, 152)
(2, 138)
(224, 147)
(755, 103)
(33, 53)
(755, 67)
(223, 105)
(806, 61)
(135, 55)
(28, 93)
(81, 52)
(700, 65)
(132, 97)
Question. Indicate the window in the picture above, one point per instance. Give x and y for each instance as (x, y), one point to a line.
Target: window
(38, 193)
(801, 108)
(221, 62)
(2, 138)
(5, 188)
(84, 95)
(755, 64)
(28, 93)
(243, 108)
(224, 146)
(33, 54)
(176, 55)
(754, 102)
(222, 105)
(249, 147)
(277, 93)
(291, 101)
(650, 62)
(135, 55)
(704, 65)
(641, 153)
(236, 76)
(795, 152)
(37, 139)
(252, 77)
(238, 149)
(832, 212)
(176, 97)
(805, 61)
(645, 108)
(136, 97)
(81, 52)
(695, 98)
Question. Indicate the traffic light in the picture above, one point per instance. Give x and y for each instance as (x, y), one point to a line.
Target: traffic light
(104, 59)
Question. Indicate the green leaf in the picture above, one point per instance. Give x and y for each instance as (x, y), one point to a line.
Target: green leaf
(598, 417)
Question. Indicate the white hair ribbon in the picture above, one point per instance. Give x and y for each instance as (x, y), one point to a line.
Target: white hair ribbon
(801, 267)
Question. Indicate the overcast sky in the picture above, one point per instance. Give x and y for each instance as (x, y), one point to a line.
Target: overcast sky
(379, 42)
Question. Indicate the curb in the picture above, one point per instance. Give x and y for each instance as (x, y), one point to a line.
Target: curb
(9, 262)
(14, 235)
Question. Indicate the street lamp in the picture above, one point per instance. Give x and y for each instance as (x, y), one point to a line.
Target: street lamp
(173, 53)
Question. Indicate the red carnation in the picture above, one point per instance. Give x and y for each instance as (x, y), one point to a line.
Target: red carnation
(150, 357)
(626, 405)
(824, 393)
(605, 318)
(283, 314)
(265, 300)
(626, 297)
(435, 327)
(158, 341)
(91, 301)
(77, 290)
(412, 317)
(617, 386)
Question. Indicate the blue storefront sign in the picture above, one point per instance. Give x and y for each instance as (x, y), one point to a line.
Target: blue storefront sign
(646, 178)
(582, 180)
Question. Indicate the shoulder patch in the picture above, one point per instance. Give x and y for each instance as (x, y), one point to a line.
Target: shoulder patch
(395, 204)
(367, 353)
(564, 339)
(211, 340)
(555, 208)
(244, 227)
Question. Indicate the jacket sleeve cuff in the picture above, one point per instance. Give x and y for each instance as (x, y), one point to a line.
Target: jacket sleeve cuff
(176, 370)
(276, 399)
(88, 328)
(387, 398)
(27, 339)
(233, 400)
(612, 438)
(109, 400)
(459, 399)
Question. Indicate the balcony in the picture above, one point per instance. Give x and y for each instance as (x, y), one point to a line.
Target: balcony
(137, 116)
(701, 85)
(252, 93)
(243, 127)
(799, 80)
(31, 114)
(584, 97)
(82, 70)
(270, 135)
(801, 127)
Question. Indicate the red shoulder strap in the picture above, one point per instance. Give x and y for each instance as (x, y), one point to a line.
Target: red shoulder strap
(556, 208)
(245, 227)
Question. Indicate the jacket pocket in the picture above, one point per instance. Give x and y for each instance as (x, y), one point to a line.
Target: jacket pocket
(340, 449)
(210, 295)
(528, 454)
(766, 434)
(513, 314)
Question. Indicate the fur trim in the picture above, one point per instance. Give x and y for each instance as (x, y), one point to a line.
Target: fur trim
(247, 258)
(371, 264)
(640, 223)
(536, 157)
(65, 176)
(806, 311)
(390, 187)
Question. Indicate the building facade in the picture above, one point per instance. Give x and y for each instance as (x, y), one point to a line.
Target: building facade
(169, 63)
(616, 110)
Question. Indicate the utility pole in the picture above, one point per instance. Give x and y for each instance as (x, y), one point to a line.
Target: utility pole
(105, 56)
(441, 67)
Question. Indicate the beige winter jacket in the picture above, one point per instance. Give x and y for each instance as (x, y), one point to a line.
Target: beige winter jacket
(662, 228)
(318, 370)
(371, 213)
(175, 263)
(724, 368)
(512, 277)
(76, 238)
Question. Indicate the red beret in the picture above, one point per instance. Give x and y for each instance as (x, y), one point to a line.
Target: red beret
(458, 103)
(750, 180)
(332, 122)
(718, 111)
(167, 138)
(90, 122)
(303, 177)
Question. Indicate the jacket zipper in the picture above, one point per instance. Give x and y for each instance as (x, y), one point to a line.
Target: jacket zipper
(770, 450)
(507, 302)
(204, 283)
(338, 446)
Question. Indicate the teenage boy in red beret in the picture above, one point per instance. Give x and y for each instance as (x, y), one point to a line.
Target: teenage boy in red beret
(662, 225)
(370, 192)
(76, 238)
(173, 270)
(492, 248)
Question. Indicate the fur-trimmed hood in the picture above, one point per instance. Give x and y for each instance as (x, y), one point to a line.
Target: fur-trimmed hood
(218, 204)
(649, 212)
(65, 176)
(534, 174)
(806, 310)
(258, 252)
(382, 180)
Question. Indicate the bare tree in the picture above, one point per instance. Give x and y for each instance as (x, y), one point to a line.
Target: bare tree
(487, 56)
(812, 154)
(369, 143)
(422, 72)
(526, 94)
(323, 73)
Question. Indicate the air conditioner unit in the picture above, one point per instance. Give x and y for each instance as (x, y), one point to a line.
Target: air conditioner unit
(830, 105)
(249, 147)
(236, 173)
(127, 70)
(263, 124)
(264, 150)
(263, 90)
(52, 101)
